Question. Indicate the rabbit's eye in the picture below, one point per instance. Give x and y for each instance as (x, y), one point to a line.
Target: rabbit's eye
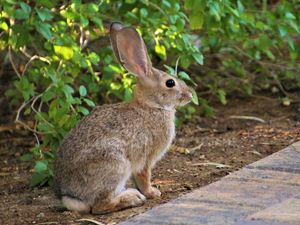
(170, 83)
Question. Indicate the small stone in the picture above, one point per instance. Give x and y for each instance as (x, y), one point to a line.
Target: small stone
(40, 215)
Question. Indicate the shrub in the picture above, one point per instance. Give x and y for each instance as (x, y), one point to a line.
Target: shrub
(248, 45)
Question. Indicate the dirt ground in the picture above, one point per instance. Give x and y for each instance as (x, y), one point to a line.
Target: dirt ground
(205, 150)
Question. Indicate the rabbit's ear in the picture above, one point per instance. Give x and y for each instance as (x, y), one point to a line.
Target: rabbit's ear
(131, 51)
(114, 28)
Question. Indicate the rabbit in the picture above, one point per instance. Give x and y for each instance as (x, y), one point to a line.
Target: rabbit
(118, 141)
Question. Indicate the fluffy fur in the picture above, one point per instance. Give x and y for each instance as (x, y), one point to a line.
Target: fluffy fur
(117, 141)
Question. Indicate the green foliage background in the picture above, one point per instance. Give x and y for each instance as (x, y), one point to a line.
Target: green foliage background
(68, 64)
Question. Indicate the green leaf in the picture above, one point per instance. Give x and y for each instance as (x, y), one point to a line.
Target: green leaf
(26, 157)
(196, 21)
(240, 6)
(3, 26)
(82, 91)
(83, 110)
(143, 12)
(51, 72)
(127, 94)
(84, 21)
(26, 8)
(68, 90)
(183, 75)
(94, 58)
(198, 57)
(64, 51)
(130, 1)
(44, 14)
(170, 70)
(92, 8)
(10, 92)
(44, 29)
(195, 99)
(291, 43)
(63, 120)
(295, 26)
(222, 96)
(40, 166)
(290, 15)
(97, 21)
(89, 102)
(215, 10)
(27, 111)
(38, 178)
(270, 55)
(161, 51)
(282, 31)
(24, 12)
(48, 95)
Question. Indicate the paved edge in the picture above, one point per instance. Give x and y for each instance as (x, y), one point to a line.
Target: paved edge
(266, 192)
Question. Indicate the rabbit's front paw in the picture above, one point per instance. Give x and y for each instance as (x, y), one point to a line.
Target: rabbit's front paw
(133, 197)
(152, 192)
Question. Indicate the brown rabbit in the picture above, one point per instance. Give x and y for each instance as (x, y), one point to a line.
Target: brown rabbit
(117, 141)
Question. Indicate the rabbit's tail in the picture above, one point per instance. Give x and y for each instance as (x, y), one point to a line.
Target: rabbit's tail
(74, 204)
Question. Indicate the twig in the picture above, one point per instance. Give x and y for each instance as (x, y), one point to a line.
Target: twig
(81, 39)
(45, 223)
(17, 119)
(217, 165)
(244, 53)
(59, 65)
(37, 139)
(33, 58)
(176, 66)
(157, 7)
(248, 118)
(12, 62)
(25, 53)
(32, 100)
(281, 66)
(36, 111)
(90, 220)
(196, 148)
(278, 119)
(72, 108)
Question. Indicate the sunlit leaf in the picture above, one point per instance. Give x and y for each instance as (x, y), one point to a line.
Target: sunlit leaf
(64, 51)
(3, 26)
(161, 51)
(196, 21)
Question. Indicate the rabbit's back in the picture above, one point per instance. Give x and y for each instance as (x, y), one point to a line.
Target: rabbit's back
(124, 124)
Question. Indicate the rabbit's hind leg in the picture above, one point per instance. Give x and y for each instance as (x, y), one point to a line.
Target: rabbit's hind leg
(74, 204)
(126, 199)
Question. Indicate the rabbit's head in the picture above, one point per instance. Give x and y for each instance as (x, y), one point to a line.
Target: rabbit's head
(155, 88)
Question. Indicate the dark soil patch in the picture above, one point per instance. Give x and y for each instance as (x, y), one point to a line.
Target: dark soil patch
(205, 150)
